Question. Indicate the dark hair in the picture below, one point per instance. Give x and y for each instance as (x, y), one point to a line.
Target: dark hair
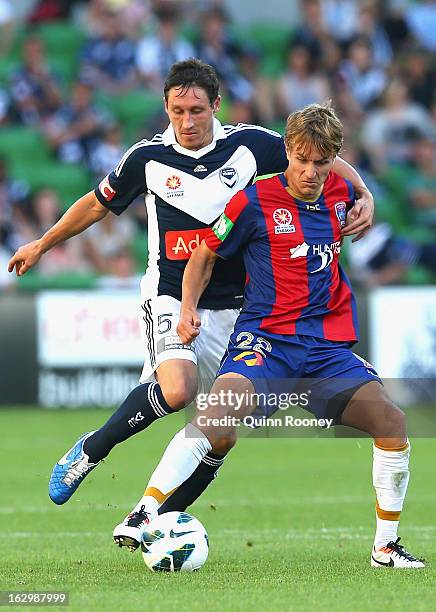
(193, 72)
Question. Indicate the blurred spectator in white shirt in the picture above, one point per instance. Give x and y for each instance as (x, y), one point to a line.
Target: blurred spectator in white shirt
(370, 25)
(6, 26)
(108, 152)
(421, 19)
(156, 53)
(389, 133)
(341, 17)
(364, 80)
(300, 85)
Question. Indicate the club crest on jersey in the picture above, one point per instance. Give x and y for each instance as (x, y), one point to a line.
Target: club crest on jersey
(106, 190)
(282, 217)
(250, 358)
(341, 212)
(229, 176)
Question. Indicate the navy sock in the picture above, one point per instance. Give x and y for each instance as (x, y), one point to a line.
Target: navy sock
(194, 486)
(144, 405)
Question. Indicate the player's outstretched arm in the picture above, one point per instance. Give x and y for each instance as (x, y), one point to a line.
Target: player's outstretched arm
(83, 213)
(360, 217)
(195, 280)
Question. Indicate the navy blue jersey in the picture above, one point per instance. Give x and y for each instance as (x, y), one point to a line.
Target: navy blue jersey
(185, 192)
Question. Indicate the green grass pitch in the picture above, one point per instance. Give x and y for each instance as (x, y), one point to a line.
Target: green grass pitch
(290, 523)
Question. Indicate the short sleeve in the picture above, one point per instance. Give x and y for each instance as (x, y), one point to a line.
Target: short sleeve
(234, 228)
(118, 190)
(269, 150)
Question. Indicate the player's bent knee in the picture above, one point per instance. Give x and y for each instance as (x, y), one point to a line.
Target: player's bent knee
(222, 442)
(180, 393)
(390, 423)
(397, 418)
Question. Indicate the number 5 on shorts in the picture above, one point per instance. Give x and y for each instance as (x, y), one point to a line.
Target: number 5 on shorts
(164, 323)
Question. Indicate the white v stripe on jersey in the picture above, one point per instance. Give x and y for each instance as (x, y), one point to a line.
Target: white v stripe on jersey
(202, 197)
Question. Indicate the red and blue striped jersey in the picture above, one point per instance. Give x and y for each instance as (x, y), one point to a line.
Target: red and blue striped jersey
(291, 248)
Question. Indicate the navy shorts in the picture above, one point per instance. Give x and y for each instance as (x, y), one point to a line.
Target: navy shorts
(319, 375)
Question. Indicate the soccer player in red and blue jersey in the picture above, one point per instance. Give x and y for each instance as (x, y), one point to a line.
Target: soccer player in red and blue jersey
(297, 325)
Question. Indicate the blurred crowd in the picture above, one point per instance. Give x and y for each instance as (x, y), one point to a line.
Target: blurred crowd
(375, 59)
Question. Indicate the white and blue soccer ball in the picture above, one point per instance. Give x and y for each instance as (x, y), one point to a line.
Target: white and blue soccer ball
(174, 542)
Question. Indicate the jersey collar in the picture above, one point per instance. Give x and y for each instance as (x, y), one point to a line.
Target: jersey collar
(284, 182)
(169, 139)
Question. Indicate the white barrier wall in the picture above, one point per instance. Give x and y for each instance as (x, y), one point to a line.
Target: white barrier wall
(402, 332)
(88, 328)
(89, 347)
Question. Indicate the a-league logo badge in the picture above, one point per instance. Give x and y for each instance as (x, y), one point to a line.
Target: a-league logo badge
(173, 182)
(229, 176)
(283, 219)
(341, 212)
(175, 188)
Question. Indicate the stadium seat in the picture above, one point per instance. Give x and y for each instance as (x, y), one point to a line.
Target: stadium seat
(419, 276)
(61, 38)
(69, 181)
(7, 67)
(191, 32)
(15, 52)
(23, 143)
(223, 114)
(273, 40)
(395, 180)
(132, 109)
(140, 251)
(33, 281)
(278, 126)
(63, 43)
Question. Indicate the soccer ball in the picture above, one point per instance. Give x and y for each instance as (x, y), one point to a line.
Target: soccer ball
(174, 542)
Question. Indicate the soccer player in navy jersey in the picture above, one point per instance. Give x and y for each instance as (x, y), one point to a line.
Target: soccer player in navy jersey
(296, 327)
(187, 174)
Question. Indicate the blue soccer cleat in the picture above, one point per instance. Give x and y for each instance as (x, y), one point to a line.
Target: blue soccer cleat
(69, 472)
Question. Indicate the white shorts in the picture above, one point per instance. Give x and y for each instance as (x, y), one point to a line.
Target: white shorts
(159, 317)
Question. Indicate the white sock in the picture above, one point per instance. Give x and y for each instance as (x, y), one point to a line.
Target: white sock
(386, 531)
(151, 505)
(180, 459)
(390, 479)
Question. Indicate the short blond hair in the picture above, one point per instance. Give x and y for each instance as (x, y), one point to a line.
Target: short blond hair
(316, 125)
